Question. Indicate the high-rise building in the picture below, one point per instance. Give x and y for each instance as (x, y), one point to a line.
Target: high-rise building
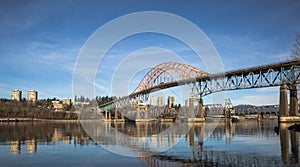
(16, 95)
(171, 101)
(153, 101)
(32, 96)
(160, 101)
(190, 101)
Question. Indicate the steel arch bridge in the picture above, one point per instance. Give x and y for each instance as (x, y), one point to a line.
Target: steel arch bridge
(171, 74)
(168, 72)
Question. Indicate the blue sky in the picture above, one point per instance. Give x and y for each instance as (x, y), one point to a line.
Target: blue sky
(40, 40)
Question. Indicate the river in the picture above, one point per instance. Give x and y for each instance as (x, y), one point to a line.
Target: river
(246, 143)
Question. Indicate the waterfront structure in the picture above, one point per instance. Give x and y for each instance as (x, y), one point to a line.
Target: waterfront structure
(32, 96)
(160, 101)
(171, 101)
(16, 95)
(153, 101)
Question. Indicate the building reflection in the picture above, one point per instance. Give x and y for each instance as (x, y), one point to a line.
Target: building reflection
(27, 136)
(15, 147)
(31, 146)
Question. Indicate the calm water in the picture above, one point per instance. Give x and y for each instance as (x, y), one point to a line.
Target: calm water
(246, 143)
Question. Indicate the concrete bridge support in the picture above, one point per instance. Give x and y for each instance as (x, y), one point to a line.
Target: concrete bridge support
(288, 114)
(107, 116)
(283, 101)
(138, 115)
(146, 114)
(201, 110)
(200, 116)
(117, 116)
(293, 100)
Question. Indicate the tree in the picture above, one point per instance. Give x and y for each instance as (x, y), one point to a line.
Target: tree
(295, 54)
(295, 51)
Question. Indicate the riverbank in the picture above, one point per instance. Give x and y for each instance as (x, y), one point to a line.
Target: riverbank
(36, 120)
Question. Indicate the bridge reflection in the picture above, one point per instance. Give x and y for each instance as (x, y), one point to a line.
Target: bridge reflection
(200, 155)
(192, 150)
(289, 155)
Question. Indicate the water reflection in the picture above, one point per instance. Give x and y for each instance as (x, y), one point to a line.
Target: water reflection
(248, 143)
(234, 144)
(289, 155)
(30, 135)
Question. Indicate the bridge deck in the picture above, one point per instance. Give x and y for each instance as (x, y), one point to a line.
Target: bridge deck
(264, 71)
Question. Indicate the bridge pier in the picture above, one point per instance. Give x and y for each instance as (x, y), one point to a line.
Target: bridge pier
(138, 114)
(201, 110)
(117, 116)
(107, 116)
(287, 114)
(293, 100)
(283, 101)
(200, 116)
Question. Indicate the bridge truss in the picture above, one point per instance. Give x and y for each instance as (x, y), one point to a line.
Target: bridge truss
(256, 77)
(203, 84)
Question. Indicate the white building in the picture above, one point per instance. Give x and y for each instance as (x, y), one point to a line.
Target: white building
(153, 101)
(160, 101)
(190, 101)
(16, 95)
(32, 96)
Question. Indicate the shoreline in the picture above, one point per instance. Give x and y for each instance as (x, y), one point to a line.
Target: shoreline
(36, 120)
(78, 120)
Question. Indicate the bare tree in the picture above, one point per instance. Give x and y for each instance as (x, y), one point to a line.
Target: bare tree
(295, 54)
(295, 51)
